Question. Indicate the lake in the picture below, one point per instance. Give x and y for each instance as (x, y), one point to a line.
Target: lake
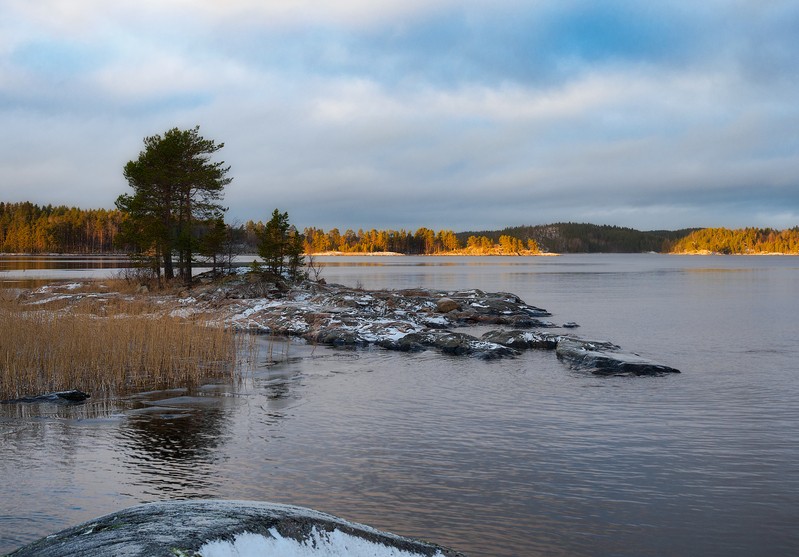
(520, 457)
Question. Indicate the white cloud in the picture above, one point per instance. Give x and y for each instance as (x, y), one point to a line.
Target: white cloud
(77, 17)
(309, 130)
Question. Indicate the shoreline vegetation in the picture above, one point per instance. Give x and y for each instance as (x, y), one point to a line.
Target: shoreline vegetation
(26, 228)
(720, 253)
(107, 338)
(463, 252)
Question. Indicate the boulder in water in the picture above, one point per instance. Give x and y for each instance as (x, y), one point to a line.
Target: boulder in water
(604, 358)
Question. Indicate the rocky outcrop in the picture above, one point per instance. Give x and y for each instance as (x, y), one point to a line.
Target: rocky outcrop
(191, 527)
(405, 320)
(408, 320)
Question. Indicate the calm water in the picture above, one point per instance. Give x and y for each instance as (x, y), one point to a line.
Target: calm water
(516, 457)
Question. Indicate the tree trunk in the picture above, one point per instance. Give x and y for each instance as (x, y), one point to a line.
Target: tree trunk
(169, 271)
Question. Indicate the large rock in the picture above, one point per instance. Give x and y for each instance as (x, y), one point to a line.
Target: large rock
(604, 358)
(445, 305)
(189, 528)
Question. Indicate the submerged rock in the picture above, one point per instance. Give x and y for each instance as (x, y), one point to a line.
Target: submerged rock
(199, 527)
(604, 358)
(73, 396)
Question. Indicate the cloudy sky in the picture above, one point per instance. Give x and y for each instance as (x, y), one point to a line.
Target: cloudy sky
(404, 113)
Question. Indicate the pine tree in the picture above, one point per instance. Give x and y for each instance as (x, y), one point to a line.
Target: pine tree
(175, 187)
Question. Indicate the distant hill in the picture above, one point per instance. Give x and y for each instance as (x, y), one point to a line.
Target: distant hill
(568, 237)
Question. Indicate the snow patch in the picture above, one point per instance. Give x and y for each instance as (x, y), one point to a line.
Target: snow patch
(51, 299)
(319, 544)
(182, 313)
(253, 309)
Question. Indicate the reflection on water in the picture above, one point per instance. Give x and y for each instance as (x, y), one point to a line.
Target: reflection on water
(61, 262)
(506, 458)
(32, 271)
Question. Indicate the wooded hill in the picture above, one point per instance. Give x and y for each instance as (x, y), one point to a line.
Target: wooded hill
(569, 237)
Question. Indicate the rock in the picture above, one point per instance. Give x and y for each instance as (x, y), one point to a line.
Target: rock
(456, 344)
(73, 396)
(186, 527)
(604, 358)
(523, 321)
(445, 305)
(570, 325)
(437, 322)
(522, 340)
(334, 336)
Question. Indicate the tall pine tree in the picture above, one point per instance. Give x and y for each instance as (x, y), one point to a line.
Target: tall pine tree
(176, 186)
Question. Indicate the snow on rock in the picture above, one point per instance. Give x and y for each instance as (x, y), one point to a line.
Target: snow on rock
(182, 313)
(57, 298)
(318, 544)
(212, 528)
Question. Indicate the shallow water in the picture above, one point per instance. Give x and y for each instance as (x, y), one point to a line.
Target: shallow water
(515, 457)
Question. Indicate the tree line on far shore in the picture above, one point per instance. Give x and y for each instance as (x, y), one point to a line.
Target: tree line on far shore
(29, 228)
(424, 241)
(739, 242)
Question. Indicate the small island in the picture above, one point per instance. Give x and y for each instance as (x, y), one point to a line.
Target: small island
(221, 311)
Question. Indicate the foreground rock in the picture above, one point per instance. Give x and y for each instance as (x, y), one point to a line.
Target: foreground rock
(204, 528)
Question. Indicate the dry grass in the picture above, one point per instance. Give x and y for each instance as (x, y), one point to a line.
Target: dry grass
(107, 346)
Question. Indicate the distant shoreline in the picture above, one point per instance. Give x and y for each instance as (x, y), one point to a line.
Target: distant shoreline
(755, 253)
(447, 254)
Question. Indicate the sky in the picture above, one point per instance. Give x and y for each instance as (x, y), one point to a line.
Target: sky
(462, 115)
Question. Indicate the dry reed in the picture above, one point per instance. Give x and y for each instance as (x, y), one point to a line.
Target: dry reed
(102, 347)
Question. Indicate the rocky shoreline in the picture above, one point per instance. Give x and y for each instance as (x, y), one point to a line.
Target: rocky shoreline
(409, 320)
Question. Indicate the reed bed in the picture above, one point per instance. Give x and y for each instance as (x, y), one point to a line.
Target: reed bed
(108, 351)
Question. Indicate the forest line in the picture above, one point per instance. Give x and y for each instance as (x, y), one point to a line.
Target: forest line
(30, 228)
